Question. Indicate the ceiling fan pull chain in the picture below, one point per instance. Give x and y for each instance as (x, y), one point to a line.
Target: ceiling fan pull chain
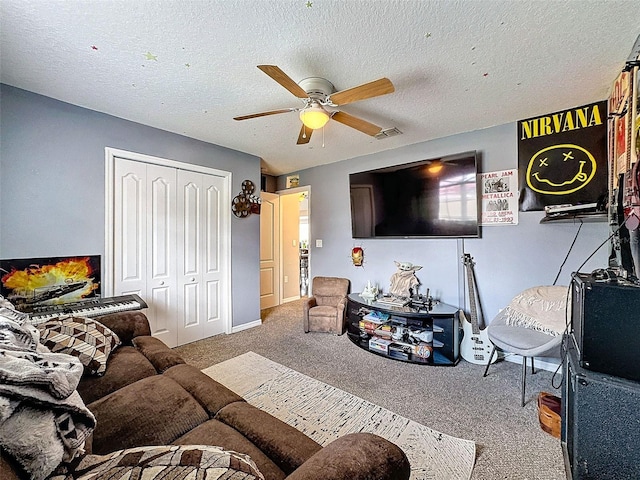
(322, 137)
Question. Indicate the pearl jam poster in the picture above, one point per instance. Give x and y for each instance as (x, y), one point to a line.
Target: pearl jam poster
(499, 197)
(562, 158)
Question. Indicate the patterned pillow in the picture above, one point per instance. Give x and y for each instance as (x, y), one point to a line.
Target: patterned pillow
(165, 462)
(81, 337)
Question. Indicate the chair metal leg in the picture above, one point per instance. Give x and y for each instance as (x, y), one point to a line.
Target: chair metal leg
(493, 350)
(533, 370)
(524, 379)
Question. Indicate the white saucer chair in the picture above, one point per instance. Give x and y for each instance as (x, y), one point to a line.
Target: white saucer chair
(532, 325)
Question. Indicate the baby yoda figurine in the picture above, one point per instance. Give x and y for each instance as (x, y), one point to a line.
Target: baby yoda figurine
(404, 281)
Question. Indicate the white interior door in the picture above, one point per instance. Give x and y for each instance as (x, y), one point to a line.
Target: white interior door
(269, 250)
(168, 236)
(161, 252)
(145, 241)
(199, 264)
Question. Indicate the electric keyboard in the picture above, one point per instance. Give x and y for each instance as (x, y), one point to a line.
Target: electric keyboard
(93, 307)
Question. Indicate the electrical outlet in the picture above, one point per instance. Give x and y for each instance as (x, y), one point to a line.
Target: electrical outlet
(318, 243)
(286, 279)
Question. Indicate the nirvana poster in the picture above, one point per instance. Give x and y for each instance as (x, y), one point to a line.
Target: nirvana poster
(30, 282)
(562, 158)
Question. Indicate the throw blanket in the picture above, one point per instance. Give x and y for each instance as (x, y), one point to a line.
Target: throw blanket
(43, 420)
(540, 308)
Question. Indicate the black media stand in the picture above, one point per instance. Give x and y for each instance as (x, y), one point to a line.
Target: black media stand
(416, 335)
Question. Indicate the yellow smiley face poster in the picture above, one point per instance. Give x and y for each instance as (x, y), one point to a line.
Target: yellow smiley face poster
(562, 158)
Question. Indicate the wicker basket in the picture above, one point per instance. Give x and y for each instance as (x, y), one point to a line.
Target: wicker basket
(549, 413)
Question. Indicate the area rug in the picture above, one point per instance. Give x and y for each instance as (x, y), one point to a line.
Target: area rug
(325, 413)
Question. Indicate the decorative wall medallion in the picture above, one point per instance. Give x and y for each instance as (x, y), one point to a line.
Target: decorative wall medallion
(246, 203)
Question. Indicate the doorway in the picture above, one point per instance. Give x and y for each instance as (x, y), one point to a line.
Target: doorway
(285, 226)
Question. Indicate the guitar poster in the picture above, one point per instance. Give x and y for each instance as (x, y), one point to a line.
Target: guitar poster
(562, 157)
(621, 119)
(499, 197)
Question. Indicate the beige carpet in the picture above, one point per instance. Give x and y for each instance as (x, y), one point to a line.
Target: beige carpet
(458, 401)
(325, 413)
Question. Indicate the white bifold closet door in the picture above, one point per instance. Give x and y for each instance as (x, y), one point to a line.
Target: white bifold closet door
(167, 247)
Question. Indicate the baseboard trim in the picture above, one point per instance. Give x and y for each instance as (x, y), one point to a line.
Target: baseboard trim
(246, 326)
(548, 364)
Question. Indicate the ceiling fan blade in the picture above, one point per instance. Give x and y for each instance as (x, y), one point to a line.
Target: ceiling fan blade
(284, 80)
(376, 88)
(357, 123)
(264, 114)
(305, 135)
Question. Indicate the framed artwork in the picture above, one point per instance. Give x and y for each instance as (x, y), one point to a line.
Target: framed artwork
(563, 158)
(499, 197)
(293, 181)
(30, 282)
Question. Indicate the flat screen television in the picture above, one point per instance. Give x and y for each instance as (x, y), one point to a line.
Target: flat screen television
(434, 198)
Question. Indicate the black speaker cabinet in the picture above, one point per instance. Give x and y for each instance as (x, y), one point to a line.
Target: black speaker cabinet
(600, 423)
(605, 322)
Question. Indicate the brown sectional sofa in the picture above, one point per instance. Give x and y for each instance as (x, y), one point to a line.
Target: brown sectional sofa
(150, 396)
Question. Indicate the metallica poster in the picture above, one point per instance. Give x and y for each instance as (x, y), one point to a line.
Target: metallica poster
(562, 158)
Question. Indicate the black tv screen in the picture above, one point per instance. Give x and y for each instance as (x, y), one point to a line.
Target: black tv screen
(429, 198)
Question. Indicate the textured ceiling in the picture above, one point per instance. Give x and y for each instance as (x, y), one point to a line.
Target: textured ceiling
(189, 66)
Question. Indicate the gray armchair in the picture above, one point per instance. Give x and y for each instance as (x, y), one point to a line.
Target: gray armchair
(530, 326)
(325, 311)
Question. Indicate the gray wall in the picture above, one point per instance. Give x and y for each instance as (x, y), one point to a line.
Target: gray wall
(52, 184)
(508, 259)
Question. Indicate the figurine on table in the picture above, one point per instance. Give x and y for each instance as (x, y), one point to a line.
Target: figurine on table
(404, 281)
(370, 292)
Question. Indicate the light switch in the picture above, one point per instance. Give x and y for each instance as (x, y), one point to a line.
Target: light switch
(318, 243)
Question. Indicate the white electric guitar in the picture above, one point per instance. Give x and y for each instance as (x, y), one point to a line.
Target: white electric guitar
(475, 347)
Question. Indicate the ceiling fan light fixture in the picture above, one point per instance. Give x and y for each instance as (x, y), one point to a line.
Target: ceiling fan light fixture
(435, 166)
(314, 117)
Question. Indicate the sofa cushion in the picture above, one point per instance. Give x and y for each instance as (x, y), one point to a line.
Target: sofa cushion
(81, 337)
(287, 447)
(211, 395)
(126, 365)
(324, 311)
(169, 461)
(357, 455)
(127, 325)
(218, 433)
(160, 356)
(153, 411)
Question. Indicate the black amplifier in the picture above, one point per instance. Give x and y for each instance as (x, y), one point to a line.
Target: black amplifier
(600, 417)
(605, 321)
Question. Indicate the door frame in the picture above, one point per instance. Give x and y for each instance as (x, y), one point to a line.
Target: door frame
(292, 191)
(225, 220)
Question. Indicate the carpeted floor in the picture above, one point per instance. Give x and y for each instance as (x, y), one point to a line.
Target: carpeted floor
(326, 413)
(456, 400)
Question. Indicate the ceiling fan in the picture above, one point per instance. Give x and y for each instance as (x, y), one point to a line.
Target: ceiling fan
(317, 94)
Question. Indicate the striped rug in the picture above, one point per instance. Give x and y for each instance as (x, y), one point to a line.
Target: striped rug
(325, 413)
